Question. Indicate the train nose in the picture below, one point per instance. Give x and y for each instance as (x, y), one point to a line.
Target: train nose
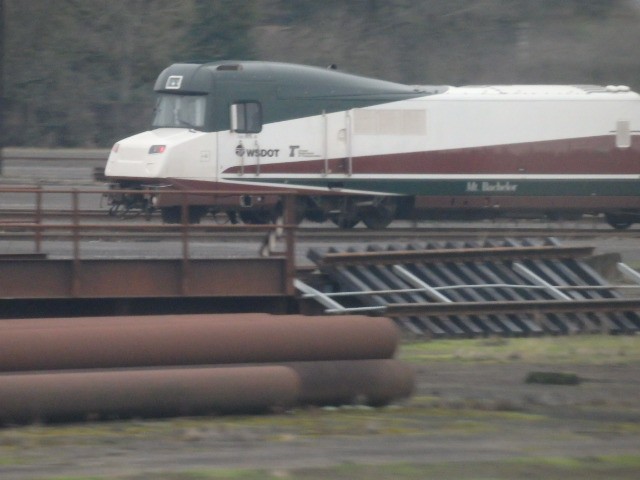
(135, 159)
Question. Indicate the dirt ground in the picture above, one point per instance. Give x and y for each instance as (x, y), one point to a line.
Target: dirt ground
(472, 416)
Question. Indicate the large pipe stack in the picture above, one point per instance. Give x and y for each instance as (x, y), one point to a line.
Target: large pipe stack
(106, 367)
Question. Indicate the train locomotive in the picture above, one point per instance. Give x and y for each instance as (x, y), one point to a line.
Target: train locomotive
(358, 149)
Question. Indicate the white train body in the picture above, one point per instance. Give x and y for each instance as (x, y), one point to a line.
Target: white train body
(392, 150)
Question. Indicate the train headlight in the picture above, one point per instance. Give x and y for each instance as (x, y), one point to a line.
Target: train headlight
(157, 149)
(115, 148)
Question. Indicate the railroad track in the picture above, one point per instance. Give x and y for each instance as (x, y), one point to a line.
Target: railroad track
(400, 229)
(475, 288)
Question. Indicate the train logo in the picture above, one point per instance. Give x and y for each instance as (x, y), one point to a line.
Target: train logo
(241, 151)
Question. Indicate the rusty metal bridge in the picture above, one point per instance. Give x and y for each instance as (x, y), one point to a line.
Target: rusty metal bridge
(51, 254)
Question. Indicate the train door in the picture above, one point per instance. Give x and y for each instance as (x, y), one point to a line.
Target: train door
(346, 166)
(241, 156)
(337, 144)
(243, 112)
(239, 149)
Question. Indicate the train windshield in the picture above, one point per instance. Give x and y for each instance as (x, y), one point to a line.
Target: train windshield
(186, 111)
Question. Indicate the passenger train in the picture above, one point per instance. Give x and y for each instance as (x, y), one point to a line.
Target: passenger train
(358, 149)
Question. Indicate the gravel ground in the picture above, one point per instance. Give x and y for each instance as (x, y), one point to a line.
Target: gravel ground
(464, 412)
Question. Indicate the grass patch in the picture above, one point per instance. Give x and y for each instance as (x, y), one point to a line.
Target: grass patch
(91, 433)
(594, 468)
(585, 349)
(553, 378)
(551, 468)
(421, 416)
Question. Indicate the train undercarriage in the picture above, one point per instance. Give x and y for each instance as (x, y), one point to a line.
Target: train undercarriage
(129, 199)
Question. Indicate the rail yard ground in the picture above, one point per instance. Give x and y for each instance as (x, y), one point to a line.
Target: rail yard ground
(473, 416)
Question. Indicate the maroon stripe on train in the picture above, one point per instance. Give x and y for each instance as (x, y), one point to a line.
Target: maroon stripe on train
(593, 155)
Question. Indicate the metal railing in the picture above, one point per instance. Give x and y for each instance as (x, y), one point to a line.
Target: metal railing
(50, 227)
(57, 213)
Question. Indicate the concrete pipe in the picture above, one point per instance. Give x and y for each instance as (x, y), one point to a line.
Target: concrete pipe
(48, 344)
(354, 382)
(108, 394)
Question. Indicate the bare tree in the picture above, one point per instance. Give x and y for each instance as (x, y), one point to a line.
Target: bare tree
(2, 107)
(82, 72)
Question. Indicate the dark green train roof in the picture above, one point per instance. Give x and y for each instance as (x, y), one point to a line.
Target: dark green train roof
(293, 81)
(285, 91)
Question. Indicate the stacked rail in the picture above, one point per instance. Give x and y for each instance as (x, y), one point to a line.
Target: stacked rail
(156, 366)
(449, 289)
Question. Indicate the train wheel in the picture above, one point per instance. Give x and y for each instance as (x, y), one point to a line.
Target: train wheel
(345, 222)
(256, 218)
(300, 209)
(345, 215)
(381, 214)
(170, 214)
(125, 211)
(196, 213)
(173, 214)
(619, 221)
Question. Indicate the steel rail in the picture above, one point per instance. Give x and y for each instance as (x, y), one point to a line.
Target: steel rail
(533, 307)
(394, 232)
(570, 288)
(321, 231)
(58, 154)
(452, 255)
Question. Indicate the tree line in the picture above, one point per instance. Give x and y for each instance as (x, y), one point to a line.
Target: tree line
(80, 73)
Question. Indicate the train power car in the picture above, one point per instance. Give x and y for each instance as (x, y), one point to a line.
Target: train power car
(359, 149)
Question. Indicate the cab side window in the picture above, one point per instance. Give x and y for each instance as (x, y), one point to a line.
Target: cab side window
(246, 117)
